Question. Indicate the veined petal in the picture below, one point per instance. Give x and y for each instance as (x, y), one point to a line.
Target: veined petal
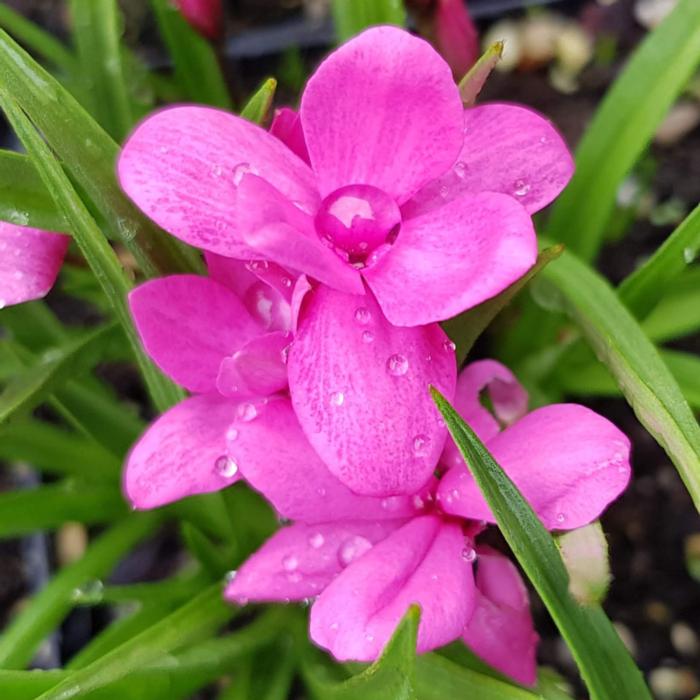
(30, 260)
(382, 110)
(182, 453)
(501, 631)
(182, 167)
(508, 149)
(421, 563)
(299, 561)
(272, 452)
(188, 324)
(360, 388)
(568, 462)
(452, 258)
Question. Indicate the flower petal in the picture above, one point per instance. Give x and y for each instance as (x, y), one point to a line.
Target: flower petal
(275, 457)
(508, 149)
(420, 563)
(30, 260)
(277, 229)
(568, 462)
(258, 368)
(382, 110)
(452, 258)
(501, 631)
(182, 453)
(360, 387)
(182, 165)
(508, 399)
(188, 324)
(286, 126)
(300, 561)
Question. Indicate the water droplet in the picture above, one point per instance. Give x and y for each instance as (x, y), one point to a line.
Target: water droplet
(421, 445)
(390, 503)
(337, 398)
(317, 540)
(418, 502)
(367, 336)
(321, 491)
(543, 139)
(290, 562)
(521, 188)
(369, 637)
(230, 576)
(449, 346)
(397, 365)
(240, 170)
(352, 549)
(362, 315)
(561, 518)
(286, 282)
(231, 434)
(688, 255)
(444, 191)
(226, 467)
(216, 170)
(469, 554)
(460, 168)
(247, 412)
(456, 494)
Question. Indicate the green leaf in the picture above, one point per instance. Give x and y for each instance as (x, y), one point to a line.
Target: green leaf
(634, 107)
(471, 84)
(259, 104)
(604, 662)
(620, 343)
(23, 197)
(21, 638)
(352, 16)
(196, 65)
(47, 507)
(649, 283)
(97, 28)
(675, 316)
(39, 41)
(201, 615)
(391, 676)
(32, 386)
(94, 247)
(467, 327)
(89, 154)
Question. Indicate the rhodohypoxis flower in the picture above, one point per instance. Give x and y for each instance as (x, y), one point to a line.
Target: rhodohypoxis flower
(365, 559)
(30, 260)
(223, 337)
(406, 209)
(206, 16)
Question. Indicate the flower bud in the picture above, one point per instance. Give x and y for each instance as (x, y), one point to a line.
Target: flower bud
(206, 16)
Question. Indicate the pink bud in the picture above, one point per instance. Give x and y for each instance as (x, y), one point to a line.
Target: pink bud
(206, 16)
(455, 35)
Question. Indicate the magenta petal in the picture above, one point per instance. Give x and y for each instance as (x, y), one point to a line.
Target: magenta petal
(280, 231)
(508, 398)
(188, 324)
(568, 462)
(507, 149)
(230, 272)
(301, 560)
(182, 166)
(275, 457)
(360, 387)
(286, 126)
(420, 563)
(30, 260)
(258, 368)
(501, 631)
(182, 453)
(382, 110)
(452, 258)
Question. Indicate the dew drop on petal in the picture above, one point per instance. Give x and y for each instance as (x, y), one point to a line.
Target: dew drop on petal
(449, 346)
(232, 434)
(226, 467)
(561, 518)
(421, 445)
(230, 576)
(317, 540)
(397, 365)
(247, 412)
(418, 502)
(460, 168)
(444, 191)
(367, 337)
(352, 549)
(469, 554)
(337, 398)
(369, 637)
(290, 562)
(521, 188)
(362, 315)
(240, 170)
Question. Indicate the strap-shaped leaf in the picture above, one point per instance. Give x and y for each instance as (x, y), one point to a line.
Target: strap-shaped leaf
(352, 16)
(604, 662)
(623, 126)
(621, 344)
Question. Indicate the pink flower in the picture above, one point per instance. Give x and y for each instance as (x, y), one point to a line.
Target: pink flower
(206, 16)
(365, 560)
(225, 338)
(30, 260)
(429, 205)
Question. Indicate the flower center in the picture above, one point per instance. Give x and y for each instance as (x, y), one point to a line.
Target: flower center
(358, 220)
